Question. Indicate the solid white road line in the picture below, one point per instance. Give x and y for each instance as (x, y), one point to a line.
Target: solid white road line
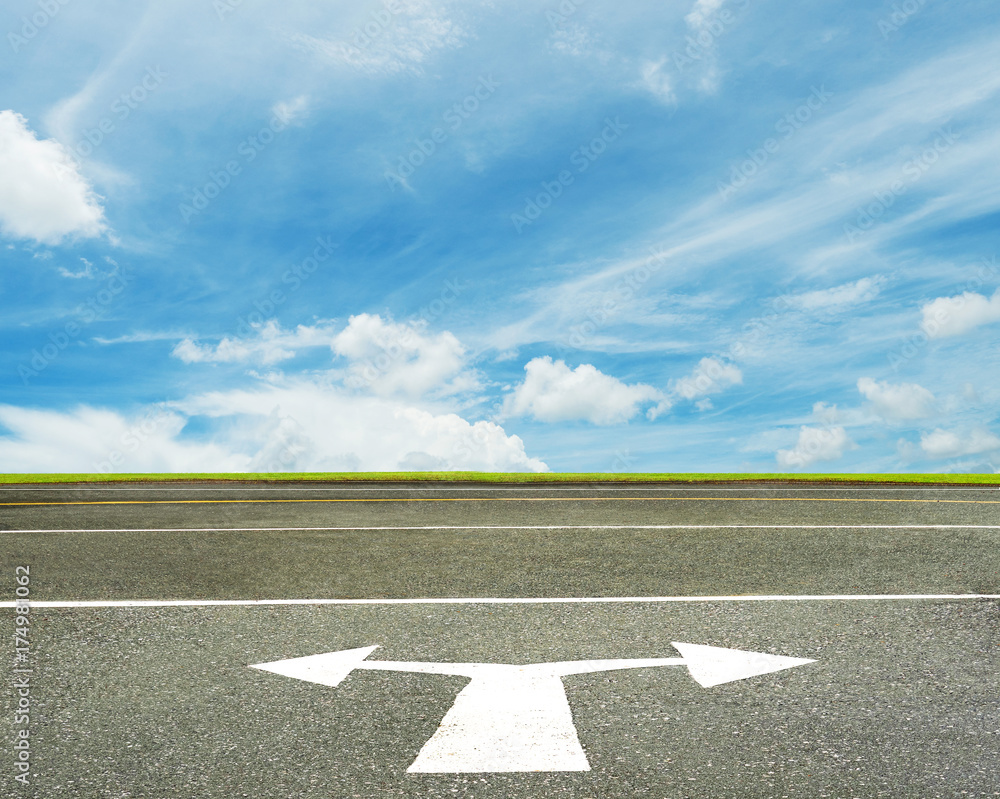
(519, 527)
(179, 603)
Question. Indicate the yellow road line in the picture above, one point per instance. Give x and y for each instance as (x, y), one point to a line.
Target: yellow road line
(490, 499)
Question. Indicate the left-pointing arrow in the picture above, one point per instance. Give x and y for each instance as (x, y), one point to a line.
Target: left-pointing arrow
(517, 718)
(330, 668)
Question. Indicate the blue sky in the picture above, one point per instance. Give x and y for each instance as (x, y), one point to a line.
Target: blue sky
(710, 235)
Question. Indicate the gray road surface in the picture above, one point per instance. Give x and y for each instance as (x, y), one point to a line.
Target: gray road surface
(155, 700)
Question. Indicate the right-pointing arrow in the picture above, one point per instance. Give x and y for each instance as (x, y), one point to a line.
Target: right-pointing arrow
(713, 665)
(517, 717)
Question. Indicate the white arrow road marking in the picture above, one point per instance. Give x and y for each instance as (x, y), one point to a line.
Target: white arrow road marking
(517, 718)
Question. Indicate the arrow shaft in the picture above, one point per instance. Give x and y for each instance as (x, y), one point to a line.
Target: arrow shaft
(560, 669)
(505, 721)
(457, 669)
(587, 666)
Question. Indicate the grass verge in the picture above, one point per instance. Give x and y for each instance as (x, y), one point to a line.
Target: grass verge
(503, 477)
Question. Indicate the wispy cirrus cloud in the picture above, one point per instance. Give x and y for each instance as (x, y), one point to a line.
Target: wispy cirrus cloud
(267, 344)
(396, 37)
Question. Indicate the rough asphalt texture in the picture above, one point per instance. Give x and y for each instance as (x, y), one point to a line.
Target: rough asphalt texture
(902, 701)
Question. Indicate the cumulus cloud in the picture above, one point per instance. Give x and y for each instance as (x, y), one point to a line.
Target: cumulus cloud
(43, 196)
(402, 358)
(897, 401)
(953, 316)
(710, 376)
(815, 444)
(856, 293)
(90, 439)
(949, 444)
(552, 392)
(266, 343)
(383, 357)
(318, 427)
(298, 426)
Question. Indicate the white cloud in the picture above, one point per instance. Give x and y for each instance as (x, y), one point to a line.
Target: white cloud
(572, 40)
(402, 358)
(706, 26)
(397, 38)
(92, 440)
(43, 196)
(656, 81)
(384, 357)
(864, 290)
(86, 272)
(298, 426)
(948, 444)
(952, 316)
(552, 392)
(815, 444)
(702, 12)
(799, 204)
(265, 343)
(897, 401)
(291, 111)
(710, 376)
(303, 425)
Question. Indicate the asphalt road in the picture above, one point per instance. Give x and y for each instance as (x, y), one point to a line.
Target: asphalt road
(136, 695)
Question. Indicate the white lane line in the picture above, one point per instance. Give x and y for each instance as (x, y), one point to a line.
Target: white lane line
(517, 527)
(180, 603)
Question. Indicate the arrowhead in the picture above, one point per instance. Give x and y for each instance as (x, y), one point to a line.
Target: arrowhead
(713, 665)
(330, 668)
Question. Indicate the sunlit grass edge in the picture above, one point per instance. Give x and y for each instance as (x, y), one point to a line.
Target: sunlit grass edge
(504, 477)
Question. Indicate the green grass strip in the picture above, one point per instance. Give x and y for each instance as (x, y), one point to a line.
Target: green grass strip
(505, 477)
